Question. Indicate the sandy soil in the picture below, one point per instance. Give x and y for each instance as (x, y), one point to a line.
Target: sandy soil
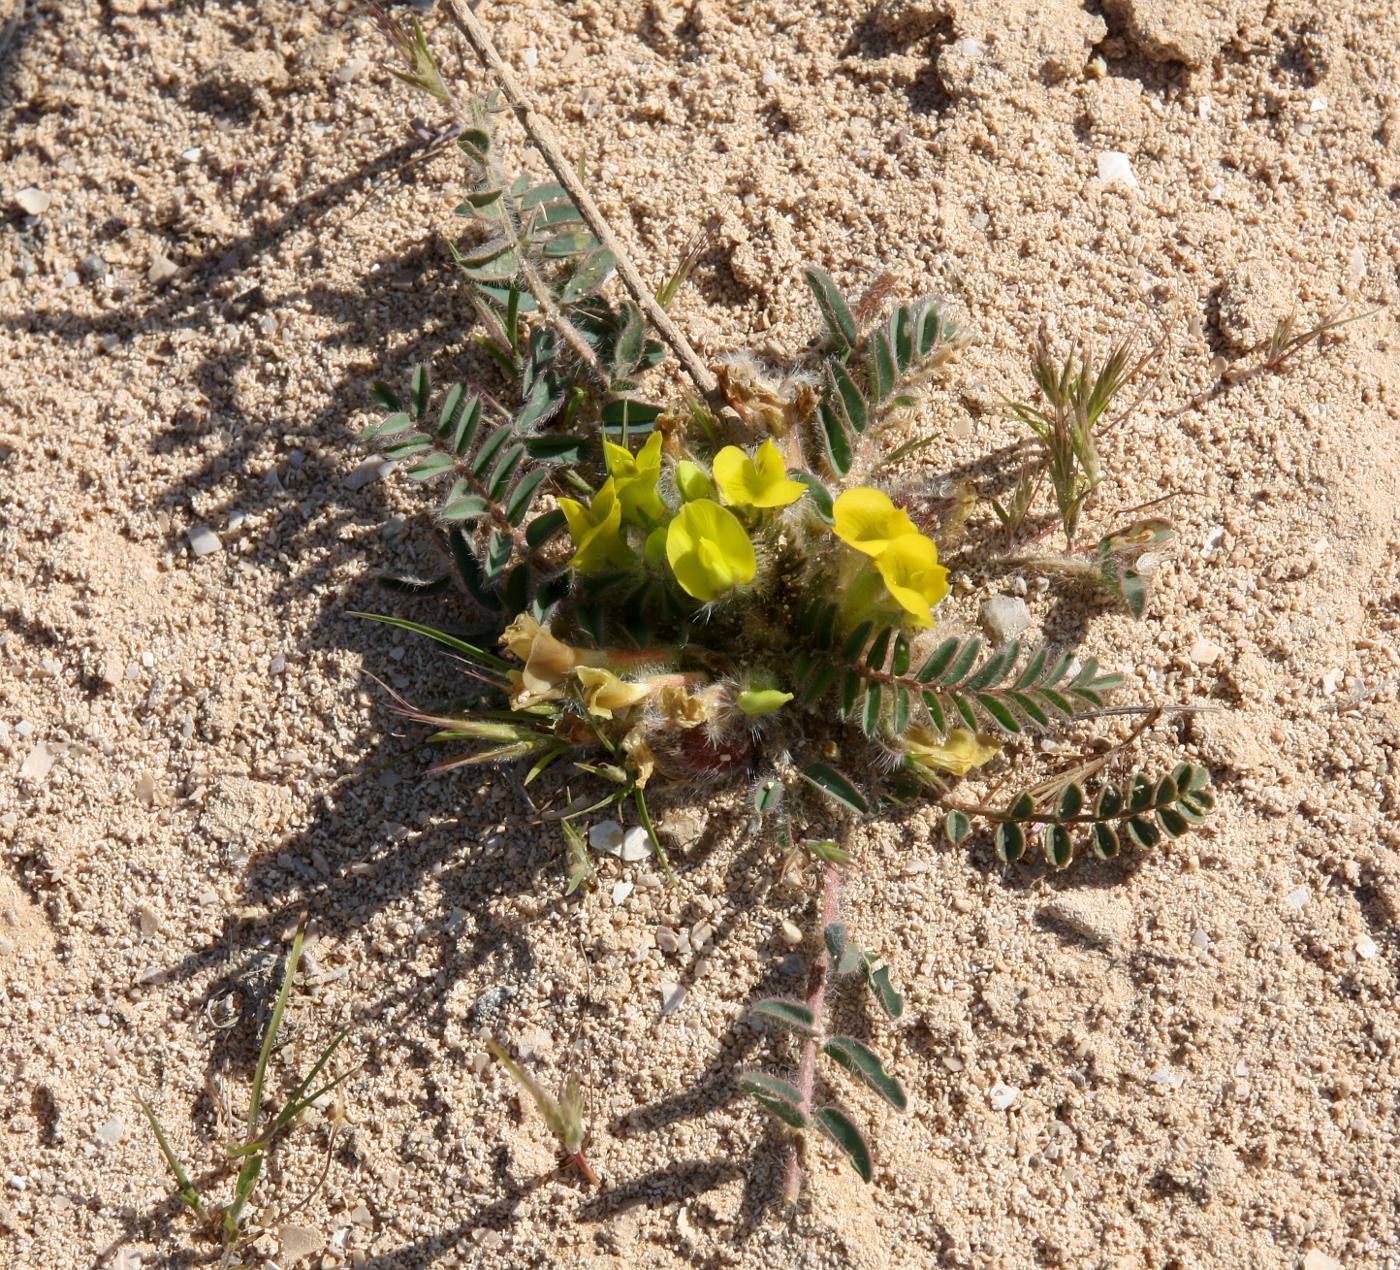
(1204, 1041)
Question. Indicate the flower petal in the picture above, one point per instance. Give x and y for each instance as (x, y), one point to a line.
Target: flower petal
(868, 520)
(708, 550)
(912, 575)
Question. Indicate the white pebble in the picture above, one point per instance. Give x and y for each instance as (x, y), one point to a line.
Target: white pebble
(33, 202)
(1199, 939)
(1317, 105)
(666, 939)
(24, 728)
(1115, 168)
(370, 470)
(701, 934)
(112, 1130)
(1002, 1096)
(1330, 681)
(951, 1063)
(1297, 898)
(277, 665)
(621, 890)
(969, 47)
(1366, 948)
(1212, 542)
(672, 994)
(192, 155)
(1356, 264)
(530, 57)
(235, 521)
(636, 845)
(792, 935)
(148, 659)
(1164, 1078)
(204, 541)
(1203, 652)
(348, 70)
(606, 836)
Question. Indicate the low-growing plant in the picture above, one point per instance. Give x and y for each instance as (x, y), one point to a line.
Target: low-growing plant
(738, 586)
(562, 1114)
(262, 1130)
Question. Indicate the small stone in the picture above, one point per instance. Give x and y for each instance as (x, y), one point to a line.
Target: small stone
(162, 270)
(1101, 917)
(621, 890)
(1165, 1078)
(1366, 948)
(204, 541)
(1212, 542)
(148, 919)
(666, 939)
(1319, 1260)
(192, 155)
(606, 837)
(113, 1130)
(347, 71)
(365, 473)
(791, 934)
(951, 1063)
(277, 665)
(636, 845)
(109, 342)
(69, 280)
(1203, 652)
(1199, 939)
(38, 763)
(701, 934)
(672, 994)
(267, 324)
(300, 1241)
(1002, 1096)
(1115, 168)
(1003, 617)
(92, 267)
(146, 789)
(33, 202)
(1330, 681)
(1297, 898)
(1317, 105)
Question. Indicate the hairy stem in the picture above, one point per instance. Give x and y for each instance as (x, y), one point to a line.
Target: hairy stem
(544, 140)
(816, 1002)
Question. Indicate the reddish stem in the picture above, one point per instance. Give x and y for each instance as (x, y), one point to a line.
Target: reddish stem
(577, 1160)
(816, 1002)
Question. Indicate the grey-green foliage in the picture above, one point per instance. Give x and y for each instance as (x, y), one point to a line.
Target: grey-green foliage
(844, 959)
(873, 377)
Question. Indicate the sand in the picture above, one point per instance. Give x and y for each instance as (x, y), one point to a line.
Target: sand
(1198, 1046)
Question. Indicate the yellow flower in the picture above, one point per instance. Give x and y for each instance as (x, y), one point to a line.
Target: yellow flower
(693, 482)
(913, 576)
(761, 481)
(596, 531)
(959, 752)
(709, 551)
(604, 692)
(636, 476)
(548, 661)
(869, 521)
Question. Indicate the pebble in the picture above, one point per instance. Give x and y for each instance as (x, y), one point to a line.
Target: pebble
(1203, 652)
(38, 763)
(1297, 898)
(92, 267)
(162, 270)
(666, 939)
(621, 890)
(300, 1241)
(192, 155)
(365, 473)
(1366, 948)
(1115, 168)
(1319, 1260)
(1165, 1078)
(672, 994)
(1199, 939)
(1330, 681)
(1101, 917)
(69, 280)
(347, 71)
(146, 789)
(636, 845)
(791, 934)
(33, 202)
(701, 934)
(606, 836)
(1212, 542)
(1003, 617)
(1002, 1096)
(113, 1130)
(277, 665)
(204, 541)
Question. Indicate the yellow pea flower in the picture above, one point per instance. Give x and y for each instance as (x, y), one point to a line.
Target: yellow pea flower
(604, 692)
(958, 752)
(913, 576)
(597, 531)
(548, 661)
(761, 481)
(693, 481)
(709, 551)
(636, 476)
(868, 520)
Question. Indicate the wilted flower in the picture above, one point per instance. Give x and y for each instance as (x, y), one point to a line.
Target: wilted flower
(709, 551)
(548, 661)
(868, 520)
(957, 753)
(635, 477)
(597, 531)
(761, 481)
(913, 576)
(604, 692)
